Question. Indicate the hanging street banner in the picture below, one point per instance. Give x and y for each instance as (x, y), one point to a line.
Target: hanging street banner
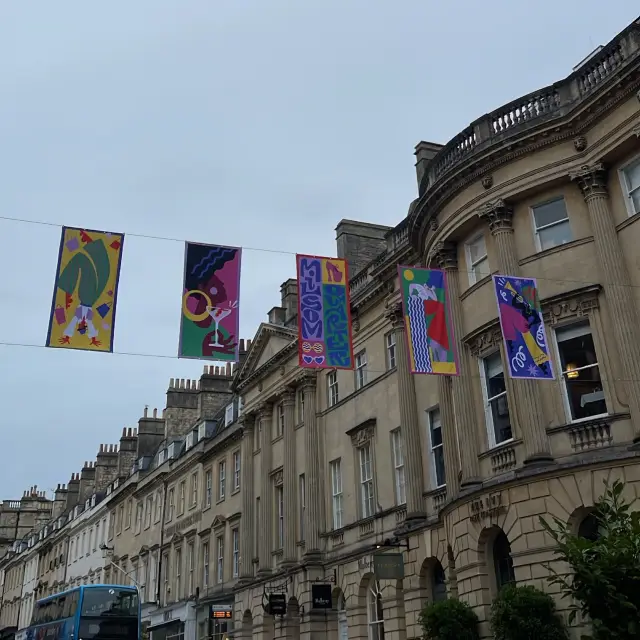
(324, 313)
(429, 330)
(523, 330)
(210, 320)
(85, 293)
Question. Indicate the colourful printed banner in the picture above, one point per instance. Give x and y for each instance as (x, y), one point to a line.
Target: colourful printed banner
(324, 313)
(430, 336)
(210, 320)
(522, 326)
(83, 311)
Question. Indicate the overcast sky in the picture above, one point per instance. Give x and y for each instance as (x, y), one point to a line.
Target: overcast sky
(258, 123)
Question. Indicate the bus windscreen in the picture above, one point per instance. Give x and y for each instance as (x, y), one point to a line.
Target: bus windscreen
(109, 601)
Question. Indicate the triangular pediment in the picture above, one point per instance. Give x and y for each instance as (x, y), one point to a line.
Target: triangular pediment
(269, 340)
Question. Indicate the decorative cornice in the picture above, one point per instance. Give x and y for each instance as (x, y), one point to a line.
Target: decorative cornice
(591, 179)
(218, 522)
(577, 303)
(278, 477)
(445, 255)
(498, 214)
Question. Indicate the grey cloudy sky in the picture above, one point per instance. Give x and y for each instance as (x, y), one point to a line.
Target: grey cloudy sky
(259, 123)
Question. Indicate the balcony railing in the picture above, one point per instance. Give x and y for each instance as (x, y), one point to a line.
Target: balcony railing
(535, 108)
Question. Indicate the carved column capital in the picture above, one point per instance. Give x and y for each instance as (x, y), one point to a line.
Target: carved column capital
(592, 180)
(498, 214)
(248, 421)
(306, 381)
(265, 411)
(394, 314)
(287, 396)
(636, 131)
(445, 255)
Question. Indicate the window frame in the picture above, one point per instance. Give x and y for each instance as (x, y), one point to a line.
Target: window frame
(208, 488)
(302, 504)
(279, 496)
(371, 498)
(333, 389)
(280, 420)
(471, 266)
(391, 350)
(624, 186)
(237, 469)
(194, 489)
(488, 414)
(220, 559)
(182, 497)
(222, 479)
(399, 467)
(432, 456)
(558, 362)
(206, 552)
(337, 494)
(537, 229)
(360, 370)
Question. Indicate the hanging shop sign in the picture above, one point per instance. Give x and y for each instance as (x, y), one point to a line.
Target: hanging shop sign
(277, 604)
(321, 596)
(388, 566)
(221, 611)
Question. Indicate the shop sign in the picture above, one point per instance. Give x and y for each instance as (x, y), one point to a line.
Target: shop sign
(388, 566)
(321, 596)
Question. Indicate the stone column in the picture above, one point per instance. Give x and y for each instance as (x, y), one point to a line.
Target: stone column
(289, 478)
(450, 437)
(265, 536)
(313, 488)
(592, 181)
(412, 446)
(527, 403)
(445, 255)
(248, 506)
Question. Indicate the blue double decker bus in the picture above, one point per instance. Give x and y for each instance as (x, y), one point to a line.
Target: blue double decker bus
(90, 612)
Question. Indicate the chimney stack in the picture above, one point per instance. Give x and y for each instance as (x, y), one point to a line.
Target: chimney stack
(150, 434)
(73, 492)
(128, 451)
(289, 297)
(106, 466)
(215, 390)
(359, 243)
(59, 501)
(424, 152)
(182, 407)
(87, 481)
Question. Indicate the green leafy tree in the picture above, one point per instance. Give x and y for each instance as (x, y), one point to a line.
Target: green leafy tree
(525, 613)
(604, 577)
(449, 620)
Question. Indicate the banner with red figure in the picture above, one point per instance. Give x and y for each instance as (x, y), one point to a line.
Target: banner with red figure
(210, 320)
(324, 313)
(83, 311)
(430, 338)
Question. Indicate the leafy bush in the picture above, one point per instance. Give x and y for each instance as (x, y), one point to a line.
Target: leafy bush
(449, 620)
(605, 573)
(525, 613)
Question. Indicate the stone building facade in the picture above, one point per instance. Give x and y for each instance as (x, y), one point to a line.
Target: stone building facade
(259, 484)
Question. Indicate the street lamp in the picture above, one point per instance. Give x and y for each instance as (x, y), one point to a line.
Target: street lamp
(107, 552)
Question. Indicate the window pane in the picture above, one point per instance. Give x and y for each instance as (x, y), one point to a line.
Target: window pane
(438, 456)
(494, 375)
(583, 385)
(550, 212)
(635, 198)
(555, 236)
(632, 174)
(477, 249)
(501, 419)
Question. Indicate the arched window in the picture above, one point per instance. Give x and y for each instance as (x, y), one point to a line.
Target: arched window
(374, 611)
(502, 561)
(589, 528)
(439, 586)
(343, 626)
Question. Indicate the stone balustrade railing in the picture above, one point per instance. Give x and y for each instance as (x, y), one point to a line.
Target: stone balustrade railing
(543, 105)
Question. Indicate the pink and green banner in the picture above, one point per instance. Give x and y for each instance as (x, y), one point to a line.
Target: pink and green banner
(210, 323)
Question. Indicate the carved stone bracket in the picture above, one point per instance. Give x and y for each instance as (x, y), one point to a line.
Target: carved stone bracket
(591, 179)
(487, 182)
(636, 130)
(278, 477)
(248, 421)
(394, 314)
(445, 255)
(363, 433)
(498, 214)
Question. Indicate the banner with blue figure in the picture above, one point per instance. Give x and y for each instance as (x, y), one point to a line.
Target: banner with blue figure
(523, 330)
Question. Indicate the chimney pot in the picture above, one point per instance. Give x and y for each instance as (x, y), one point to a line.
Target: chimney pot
(146, 411)
(171, 383)
(155, 413)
